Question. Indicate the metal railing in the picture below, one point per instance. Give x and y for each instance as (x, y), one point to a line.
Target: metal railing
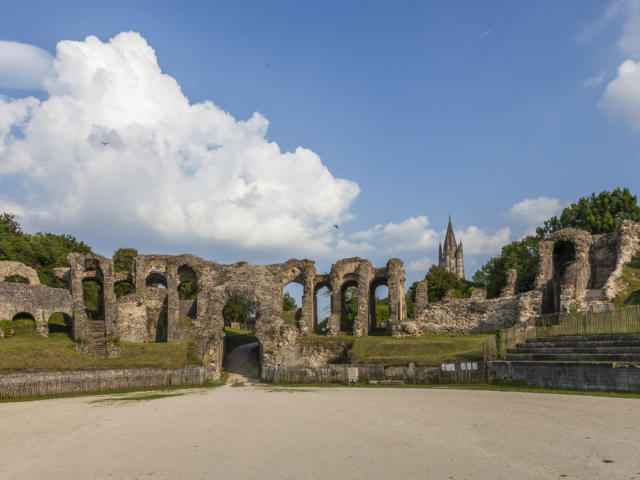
(618, 322)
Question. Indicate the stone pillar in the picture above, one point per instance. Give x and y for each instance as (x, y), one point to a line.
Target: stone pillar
(80, 329)
(509, 290)
(422, 298)
(109, 295)
(306, 317)
(395, 284)
(173, 304)
(361, 322)
(333, 323)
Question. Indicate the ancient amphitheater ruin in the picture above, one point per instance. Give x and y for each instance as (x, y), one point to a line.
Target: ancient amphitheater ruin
(577, 272)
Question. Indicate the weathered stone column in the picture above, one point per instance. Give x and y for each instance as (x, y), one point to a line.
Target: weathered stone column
(173, 303)
(422, 298)
(397, 303)
(361, 322)
(333, 323)
(306, 317)
(80, 321)
(109, 296)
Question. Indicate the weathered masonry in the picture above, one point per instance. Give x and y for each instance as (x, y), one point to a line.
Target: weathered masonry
(155, 312)
(577, 272)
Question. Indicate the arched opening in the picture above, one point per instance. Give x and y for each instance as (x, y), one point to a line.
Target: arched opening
(378, 307)
(123, 288)
(93, 298)
(564, 254)
(23, 324)
(157, 320)
(321, 309)
(156, 280)
(292, 303)
(349, 299)
(241, 347)
(59, 324)
(187, 294)
(16, 279)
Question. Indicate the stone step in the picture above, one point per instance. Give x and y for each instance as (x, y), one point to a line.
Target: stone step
(585, 338)
(582, 349)
(581, 344)
(573, 357)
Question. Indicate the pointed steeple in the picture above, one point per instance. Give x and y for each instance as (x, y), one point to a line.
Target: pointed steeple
(450, 239)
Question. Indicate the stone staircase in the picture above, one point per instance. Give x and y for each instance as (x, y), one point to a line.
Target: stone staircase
(586, 362)
(587, 348)
(98, 338)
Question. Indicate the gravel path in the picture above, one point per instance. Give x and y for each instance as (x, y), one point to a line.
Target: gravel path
(324, 433)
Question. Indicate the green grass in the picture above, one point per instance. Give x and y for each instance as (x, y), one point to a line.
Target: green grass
(631, 277)
(426, 350)
(299, 387)
(27, 350)
(144, 396)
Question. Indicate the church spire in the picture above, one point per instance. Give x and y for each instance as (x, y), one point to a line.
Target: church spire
(450, 256)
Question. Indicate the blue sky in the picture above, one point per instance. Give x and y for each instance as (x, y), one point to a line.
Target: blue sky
(431, 108)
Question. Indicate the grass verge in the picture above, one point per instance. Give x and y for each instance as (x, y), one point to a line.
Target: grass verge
(426, 350)
(29, 351)
(474, 386)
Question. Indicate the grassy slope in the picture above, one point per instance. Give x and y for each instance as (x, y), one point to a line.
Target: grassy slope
(428, 349)
(631, 276)
(28, 350)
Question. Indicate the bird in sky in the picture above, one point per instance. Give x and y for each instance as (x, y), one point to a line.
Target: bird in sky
(335, 226)
(104, 143)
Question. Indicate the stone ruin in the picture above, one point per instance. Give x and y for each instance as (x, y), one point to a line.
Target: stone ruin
(576, 272)
(155, 312)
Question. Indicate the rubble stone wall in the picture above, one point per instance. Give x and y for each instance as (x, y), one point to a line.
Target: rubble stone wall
(39, 301)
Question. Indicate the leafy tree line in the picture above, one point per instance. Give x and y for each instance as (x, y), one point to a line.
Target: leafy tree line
(41, 251)
(601, 213)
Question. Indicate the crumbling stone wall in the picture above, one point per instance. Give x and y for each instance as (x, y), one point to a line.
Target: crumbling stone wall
(477, 314)
(9, 268)
(594, 276)
(39, 301)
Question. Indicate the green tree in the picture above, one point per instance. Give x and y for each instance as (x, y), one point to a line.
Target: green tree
(238, 310)
(440, 281)
(123, 259)
(288, 302)
(350, 309)
(521, 255)
(188, 290)
(41, 251)
(600, 213)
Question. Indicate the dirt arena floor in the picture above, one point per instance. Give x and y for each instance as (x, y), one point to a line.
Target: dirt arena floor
(256, 432)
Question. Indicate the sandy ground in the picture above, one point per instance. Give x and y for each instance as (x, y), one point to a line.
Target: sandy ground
(258, 433)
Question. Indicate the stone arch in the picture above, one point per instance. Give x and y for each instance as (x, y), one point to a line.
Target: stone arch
(93, 296)
(60, 322)
(187, 288)
(563, 269)
(156, 280)
(378, 281)
(24, 315)
(12, 269)
(348, 325)
(294, 317)
(322, 281)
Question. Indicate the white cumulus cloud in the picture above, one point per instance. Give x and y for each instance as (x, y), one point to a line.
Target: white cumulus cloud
(477, 241)
(409, 235)
(622, 95)
(420, 265)
(117, 145)
(23, 66)
(534, 211)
